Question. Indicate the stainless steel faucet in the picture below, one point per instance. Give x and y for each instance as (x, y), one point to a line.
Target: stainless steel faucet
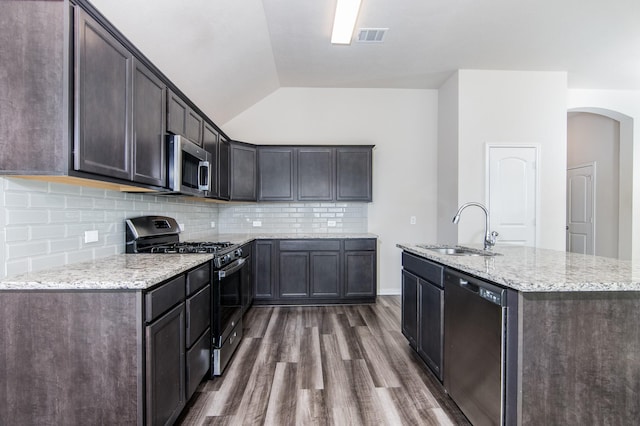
(489, 237)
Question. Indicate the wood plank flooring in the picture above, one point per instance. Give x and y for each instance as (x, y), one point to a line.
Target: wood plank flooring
(328, 365)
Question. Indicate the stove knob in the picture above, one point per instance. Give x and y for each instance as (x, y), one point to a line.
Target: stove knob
(226, 258)
(238, 252)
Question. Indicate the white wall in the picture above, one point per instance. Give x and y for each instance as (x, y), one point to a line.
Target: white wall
(513, 107)
(623, 106)
(402, 124)
(448, 118)
(596, 138)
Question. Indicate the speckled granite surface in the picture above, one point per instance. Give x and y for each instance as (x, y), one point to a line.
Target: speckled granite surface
(135, 271)
(538, 270)
(124, 271)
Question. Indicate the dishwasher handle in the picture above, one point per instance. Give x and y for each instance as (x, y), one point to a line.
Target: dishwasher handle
(468, 286)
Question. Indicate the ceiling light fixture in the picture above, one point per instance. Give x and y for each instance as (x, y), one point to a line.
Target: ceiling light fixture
(345, 21)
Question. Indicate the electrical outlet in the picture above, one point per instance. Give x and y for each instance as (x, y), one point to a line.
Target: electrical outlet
(90, 236)
(213, 224)
(412, 220)
(181, 226)
(257, 223)
(331, 223)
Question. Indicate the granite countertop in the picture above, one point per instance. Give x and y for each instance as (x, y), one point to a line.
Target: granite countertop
(135, 271)
(530, 269)
(119, 272)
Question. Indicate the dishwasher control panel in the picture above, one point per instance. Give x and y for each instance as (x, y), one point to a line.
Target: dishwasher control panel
(491, 296)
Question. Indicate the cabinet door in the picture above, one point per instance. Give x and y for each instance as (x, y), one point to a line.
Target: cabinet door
(276, 168)
(410, 307)
(325, 274)
(193, 127)
(176, 114)
(353, 174)
(210, 141)
(103, 110)
(430, 325)
(224, 184)
(263, 277)
(360, 274)
(294, 274)
(315, 174)
(243, 172)
(165, 367)
(149, 114)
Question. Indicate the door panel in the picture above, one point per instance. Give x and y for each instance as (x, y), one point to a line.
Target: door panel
(512, 183)
(103, 107)
(580, 199)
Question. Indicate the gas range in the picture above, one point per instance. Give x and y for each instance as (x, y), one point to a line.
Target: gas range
(161, 234)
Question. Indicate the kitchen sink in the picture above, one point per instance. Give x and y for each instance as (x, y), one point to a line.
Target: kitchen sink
(459, 251)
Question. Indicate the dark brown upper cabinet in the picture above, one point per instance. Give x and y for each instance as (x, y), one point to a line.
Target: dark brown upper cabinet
(119, 109)
(149, 112)
(243, 166)
(315, 174)
(103, 113)
(353, 174)
(211, 143)
(183, 120)
(224, 171)
(276, 173)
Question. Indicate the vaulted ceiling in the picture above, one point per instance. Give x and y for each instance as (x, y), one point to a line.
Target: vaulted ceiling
(228, 54)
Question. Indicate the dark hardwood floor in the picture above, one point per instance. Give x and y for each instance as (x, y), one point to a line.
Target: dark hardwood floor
(329, 365)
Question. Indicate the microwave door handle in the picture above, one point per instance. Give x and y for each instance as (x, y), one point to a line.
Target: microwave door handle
(203, 186)
(231, 269)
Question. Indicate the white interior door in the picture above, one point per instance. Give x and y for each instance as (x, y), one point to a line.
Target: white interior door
(580, 209)
(512, 193)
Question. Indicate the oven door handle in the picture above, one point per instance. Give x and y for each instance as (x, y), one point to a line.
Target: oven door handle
(232, 268)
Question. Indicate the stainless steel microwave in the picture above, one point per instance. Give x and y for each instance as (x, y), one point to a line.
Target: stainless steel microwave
(189, 170)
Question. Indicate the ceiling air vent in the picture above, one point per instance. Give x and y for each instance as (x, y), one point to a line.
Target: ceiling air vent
(371, 35)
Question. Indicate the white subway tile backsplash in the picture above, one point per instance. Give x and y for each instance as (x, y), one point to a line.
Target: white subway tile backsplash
(13, 199)
(44, 223)
(17, 234)
(21, 250)
(22, 217)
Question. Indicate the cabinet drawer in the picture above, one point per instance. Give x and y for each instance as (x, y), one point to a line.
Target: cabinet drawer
(164, 297)
(310, 245)
(423, 268)
(198, 314)
(368, 244)
(198, 362)
(198, 278)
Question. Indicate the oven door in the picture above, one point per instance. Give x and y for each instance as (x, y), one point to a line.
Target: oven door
(189, 167)
(226, 300)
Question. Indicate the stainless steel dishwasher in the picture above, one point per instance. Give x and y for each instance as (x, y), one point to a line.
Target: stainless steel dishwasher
(474, 338)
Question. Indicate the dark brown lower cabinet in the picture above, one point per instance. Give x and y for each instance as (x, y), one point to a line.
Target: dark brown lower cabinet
(423, 309)
(90, 357)
(311, 271)
(165, 358)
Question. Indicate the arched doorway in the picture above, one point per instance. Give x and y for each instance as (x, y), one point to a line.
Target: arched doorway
(613, 236)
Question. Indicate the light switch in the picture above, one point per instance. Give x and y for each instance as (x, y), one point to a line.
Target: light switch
(412, 220)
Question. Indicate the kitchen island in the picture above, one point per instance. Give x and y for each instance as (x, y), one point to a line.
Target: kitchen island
(572, 355)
